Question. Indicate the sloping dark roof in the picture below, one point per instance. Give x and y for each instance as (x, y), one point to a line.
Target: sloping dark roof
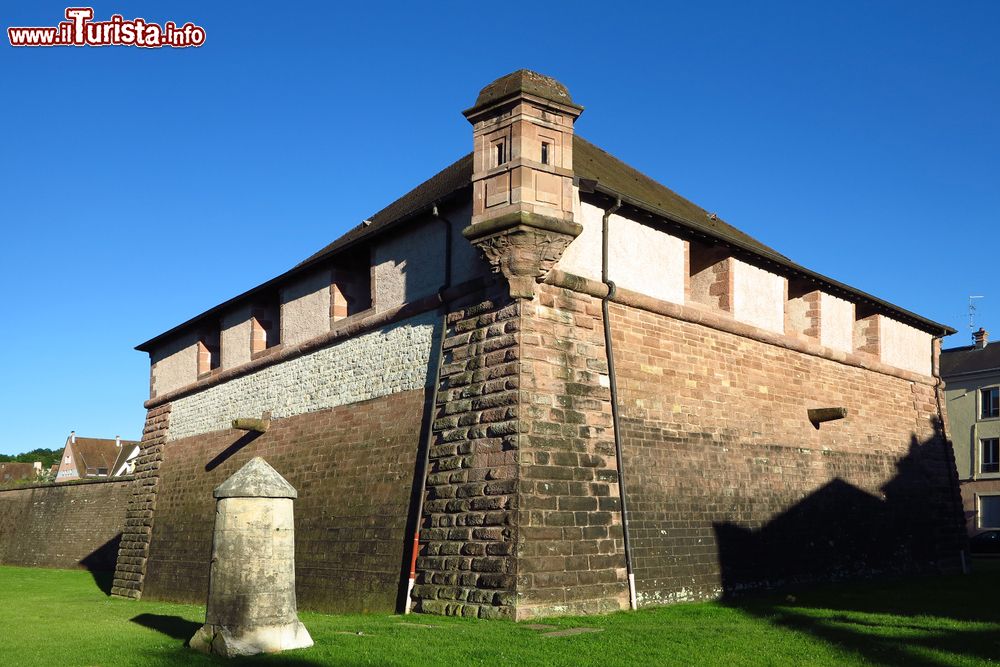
(964, 360)
(123, 453)
(11, 471)
(589, 162)
(437, 188)
(592, 163)
(89, 454)
(613, 178)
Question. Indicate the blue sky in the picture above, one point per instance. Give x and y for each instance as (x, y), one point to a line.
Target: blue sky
(141, 187)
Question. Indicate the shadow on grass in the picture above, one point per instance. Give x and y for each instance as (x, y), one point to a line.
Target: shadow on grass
(839, 532)
(172, 626)
(182, 630)
(922, 641)
(103, 580)
(101, 563)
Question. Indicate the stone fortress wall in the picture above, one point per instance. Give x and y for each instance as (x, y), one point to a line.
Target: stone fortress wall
(407, 345)
(64, 525)
(349, 417)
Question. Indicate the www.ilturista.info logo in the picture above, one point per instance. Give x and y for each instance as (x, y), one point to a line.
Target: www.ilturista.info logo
(80, 30)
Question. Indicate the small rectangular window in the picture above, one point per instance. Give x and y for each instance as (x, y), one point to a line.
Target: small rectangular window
(545, 152)
(990, 459)
(989, 402)
(499, 153)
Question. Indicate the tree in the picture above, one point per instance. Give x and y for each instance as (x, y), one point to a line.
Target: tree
(47, 456)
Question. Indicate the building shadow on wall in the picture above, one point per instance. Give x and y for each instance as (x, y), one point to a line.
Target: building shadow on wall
(101, 563)
(841, 532)
(229, 451)
(420, 470)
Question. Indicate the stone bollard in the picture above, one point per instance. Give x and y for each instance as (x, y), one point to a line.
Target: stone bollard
(251, 590)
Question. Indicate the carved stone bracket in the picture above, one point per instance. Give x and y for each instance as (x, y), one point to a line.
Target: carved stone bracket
(523, 247)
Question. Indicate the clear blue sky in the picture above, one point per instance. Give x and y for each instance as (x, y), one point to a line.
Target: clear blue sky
(141, 187)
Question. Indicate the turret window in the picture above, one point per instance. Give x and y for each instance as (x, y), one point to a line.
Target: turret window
(545, 152)
(499, 153)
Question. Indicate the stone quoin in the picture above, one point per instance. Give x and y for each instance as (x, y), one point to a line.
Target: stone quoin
(542, 383)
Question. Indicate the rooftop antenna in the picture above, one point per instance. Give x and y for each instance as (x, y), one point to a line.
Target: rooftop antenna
(972, 311)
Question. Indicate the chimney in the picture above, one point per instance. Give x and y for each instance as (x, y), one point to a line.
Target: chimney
(72, 437)
(118, 441)
(980, 337)
(522, 177)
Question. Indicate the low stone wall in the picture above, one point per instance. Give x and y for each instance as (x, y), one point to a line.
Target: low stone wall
(63, 525)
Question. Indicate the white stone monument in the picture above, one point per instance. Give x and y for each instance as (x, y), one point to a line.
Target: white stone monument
(251, 590)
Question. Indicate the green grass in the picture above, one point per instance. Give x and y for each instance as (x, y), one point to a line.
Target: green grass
(62, 617)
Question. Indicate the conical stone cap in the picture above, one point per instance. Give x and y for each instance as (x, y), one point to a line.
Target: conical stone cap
(256, 479)
(523, 81)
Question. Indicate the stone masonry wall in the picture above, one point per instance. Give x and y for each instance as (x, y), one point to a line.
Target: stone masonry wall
(134, 549)
(466, 563)
(378, 363)
(63, 525)
(353, 467)
(570, 550)
(521, 517)
(730, 487)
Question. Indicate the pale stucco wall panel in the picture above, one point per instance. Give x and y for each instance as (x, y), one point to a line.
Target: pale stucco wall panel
(836, 323)
(797, 315)
(305, 308)
(583, 256)
(389, 360)
(236, 337)
(645, 260)
(175, 364)
(758, 297)
(466, 260)
(905, 347)
(409, 265)
(640, 258)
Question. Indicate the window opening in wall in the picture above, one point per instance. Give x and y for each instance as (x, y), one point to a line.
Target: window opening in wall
(545, 152)
(499, 153)
(989, 511)
(209, 348)
(989, 460)
(264, 327)
(989, 402)
(351, 285)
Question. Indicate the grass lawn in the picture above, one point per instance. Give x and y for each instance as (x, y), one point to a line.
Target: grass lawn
(62, 617)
